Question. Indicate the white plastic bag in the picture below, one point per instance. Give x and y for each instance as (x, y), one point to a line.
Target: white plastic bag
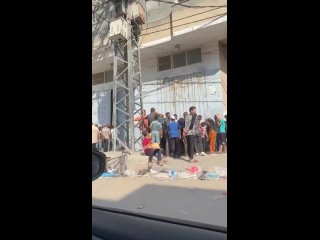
(221, 171)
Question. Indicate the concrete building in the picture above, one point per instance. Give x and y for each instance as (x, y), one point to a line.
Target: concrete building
(183, 58)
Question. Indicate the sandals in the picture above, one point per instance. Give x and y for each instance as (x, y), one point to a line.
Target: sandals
(193, 161)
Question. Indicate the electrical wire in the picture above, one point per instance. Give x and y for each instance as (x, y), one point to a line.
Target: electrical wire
(97, 31)
(223, 14)
(169, 22)
(101, 3)
(103, 18)
(166, 23)
(184, 17)
(146, 28)
(218, 16)
(184, 5)
(150, 47)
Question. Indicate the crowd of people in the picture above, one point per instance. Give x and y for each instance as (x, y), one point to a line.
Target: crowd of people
(102, 137)
(166, 135)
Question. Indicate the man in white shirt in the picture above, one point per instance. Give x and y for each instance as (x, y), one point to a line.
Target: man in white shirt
(106, 138)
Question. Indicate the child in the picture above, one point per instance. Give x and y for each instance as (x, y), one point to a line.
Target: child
(211, 137)
(204, 136)
(151, 149)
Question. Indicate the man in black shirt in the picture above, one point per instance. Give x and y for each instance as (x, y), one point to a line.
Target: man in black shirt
(181, 124)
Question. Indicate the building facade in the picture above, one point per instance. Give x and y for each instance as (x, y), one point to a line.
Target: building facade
(183, 59)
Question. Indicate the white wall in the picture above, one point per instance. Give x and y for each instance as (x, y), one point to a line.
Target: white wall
(210, 63)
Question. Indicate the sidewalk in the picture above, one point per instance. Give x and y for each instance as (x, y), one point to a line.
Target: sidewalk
(137, 161)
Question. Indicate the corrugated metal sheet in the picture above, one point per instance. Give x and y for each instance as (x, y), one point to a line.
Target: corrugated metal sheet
(177, 94)
(101, 107)
(173, 95)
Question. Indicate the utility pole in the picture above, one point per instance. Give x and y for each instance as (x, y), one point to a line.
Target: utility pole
(127, 81)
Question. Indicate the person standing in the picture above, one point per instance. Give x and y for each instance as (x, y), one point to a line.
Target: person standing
(217, 130)
(222, 134)
(189, 132)
(95, 137)
(204, 136)
(152, 115)
(211, 136)
(106, 132)
(142, 121)
(145, 120)
(225, 117)
(165, 137)
(198, 140)
(175, 117)
(174, 134)
(100, 141)
(155, 127)
(112, 135)
(183, 139)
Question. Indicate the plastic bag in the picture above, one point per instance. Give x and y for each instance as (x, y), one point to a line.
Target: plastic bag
(221, 171)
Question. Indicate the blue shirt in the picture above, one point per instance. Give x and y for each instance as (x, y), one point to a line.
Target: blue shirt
(155, 126)
(222, 128)
(173, 129)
